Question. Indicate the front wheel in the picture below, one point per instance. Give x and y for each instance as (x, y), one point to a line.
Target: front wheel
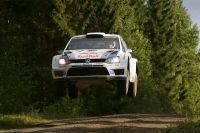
(123, 85)
(73, 91)
(132, 90)
(60, 89)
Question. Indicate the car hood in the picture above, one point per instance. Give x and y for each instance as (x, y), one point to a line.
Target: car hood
(92, 54)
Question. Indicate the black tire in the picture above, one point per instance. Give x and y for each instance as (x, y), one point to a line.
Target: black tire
(123, 85)
(132, 90)
(60, 89)
(73, 92)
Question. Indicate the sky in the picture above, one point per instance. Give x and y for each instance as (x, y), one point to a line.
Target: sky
(193, 8)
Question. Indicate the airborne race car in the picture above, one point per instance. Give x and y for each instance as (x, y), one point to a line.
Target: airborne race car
(95, 58)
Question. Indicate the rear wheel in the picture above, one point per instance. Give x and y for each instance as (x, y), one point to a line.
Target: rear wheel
(123, 85)
(132, 90)
(60, 89)
(73, 91)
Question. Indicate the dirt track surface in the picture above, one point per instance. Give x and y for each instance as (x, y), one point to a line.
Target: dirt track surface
(129, 123)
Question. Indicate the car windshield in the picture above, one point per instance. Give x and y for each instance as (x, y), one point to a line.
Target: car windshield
(93, 43)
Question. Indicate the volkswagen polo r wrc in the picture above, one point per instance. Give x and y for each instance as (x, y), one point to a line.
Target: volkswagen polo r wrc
(95, 58)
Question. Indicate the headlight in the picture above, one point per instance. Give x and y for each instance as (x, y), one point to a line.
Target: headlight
(113, 60)
(63, 61)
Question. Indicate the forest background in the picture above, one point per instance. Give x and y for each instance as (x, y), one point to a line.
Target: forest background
(160, 33)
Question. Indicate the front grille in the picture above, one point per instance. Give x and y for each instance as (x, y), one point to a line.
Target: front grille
(119, 71)
(91, 60)
(88, 66)
(86, 71)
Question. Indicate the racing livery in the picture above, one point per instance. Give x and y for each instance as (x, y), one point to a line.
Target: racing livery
(95, 58)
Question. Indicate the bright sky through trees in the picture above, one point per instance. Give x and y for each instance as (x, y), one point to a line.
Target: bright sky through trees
(193, 10)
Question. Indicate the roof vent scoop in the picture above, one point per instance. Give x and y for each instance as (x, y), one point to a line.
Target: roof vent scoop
(95, 35)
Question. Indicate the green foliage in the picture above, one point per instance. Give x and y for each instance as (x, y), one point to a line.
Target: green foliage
(174, 59)
(187, 126)
(64, 109)
(15, 121)
(186, 62)
(15, 74)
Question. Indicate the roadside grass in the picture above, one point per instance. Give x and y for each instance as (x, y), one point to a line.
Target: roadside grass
(189, 125)
(61, 110)
(15, 121)
(19, 121)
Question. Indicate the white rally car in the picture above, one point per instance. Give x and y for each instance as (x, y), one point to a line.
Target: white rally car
(95, 58)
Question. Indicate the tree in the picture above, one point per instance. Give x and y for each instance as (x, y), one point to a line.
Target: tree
(187, 36)
(13, 69)
(27, 47)
(169, 26)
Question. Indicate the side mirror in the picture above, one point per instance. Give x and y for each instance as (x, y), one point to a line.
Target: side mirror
(129, 50)
(60, 51)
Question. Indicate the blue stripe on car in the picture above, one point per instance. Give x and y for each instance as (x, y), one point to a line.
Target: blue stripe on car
(113, 54)
(65, 56)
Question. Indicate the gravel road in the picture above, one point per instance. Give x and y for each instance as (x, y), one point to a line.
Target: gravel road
(127, 123)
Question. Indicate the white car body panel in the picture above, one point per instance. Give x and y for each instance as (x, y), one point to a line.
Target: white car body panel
(133, 63)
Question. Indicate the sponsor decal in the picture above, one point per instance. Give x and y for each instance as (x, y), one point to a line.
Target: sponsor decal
(88, 55)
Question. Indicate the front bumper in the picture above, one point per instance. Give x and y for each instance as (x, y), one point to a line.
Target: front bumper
(90, 72)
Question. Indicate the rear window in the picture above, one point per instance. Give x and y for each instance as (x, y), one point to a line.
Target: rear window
(93, 43)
